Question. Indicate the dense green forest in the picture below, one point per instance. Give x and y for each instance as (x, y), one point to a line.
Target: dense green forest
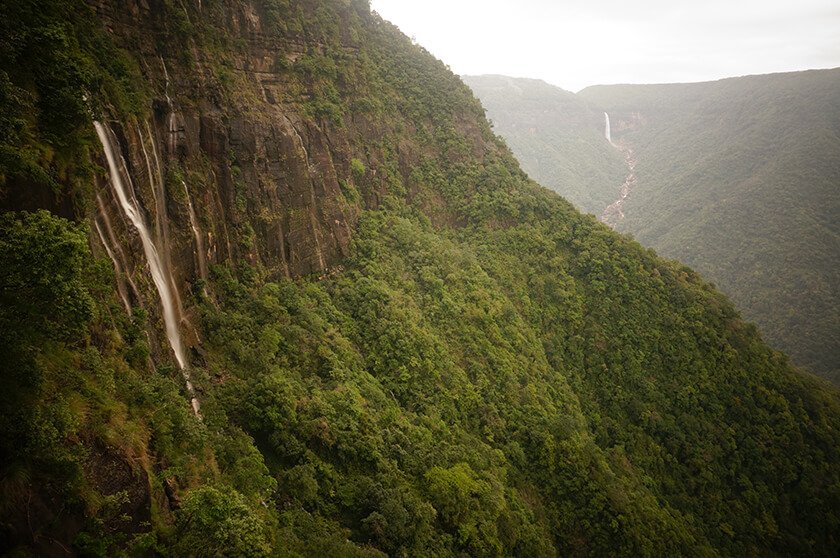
(485, 372)
(737, 178)
(557, 136)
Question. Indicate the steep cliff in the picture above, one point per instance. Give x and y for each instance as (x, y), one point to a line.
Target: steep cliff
(397, 344)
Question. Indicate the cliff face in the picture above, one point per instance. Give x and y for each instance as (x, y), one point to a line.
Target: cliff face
(400, 345)
(250, 181)
(229, 161)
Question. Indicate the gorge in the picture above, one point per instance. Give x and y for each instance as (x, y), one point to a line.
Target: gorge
(734, 177)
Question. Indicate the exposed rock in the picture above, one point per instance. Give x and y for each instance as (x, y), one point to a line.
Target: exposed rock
(263, 180)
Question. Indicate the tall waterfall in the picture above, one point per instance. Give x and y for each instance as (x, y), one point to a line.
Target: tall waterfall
(161, 279)
(607, 127)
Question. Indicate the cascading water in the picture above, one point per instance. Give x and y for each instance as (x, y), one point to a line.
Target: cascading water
(173, 127)
(607, 133)
(199, 242)
(614, 212)
(117, 249)
(159, 196)
(172, 139)
(162, 282)
(117, 268)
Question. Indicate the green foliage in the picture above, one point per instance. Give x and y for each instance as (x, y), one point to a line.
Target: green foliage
(469, 504)
(56, 68)
(320, 73)
(217, 522)
(42, 266)
(488, 373)
(738, 179)
(357, 169)
(514, 404)
(43, 300)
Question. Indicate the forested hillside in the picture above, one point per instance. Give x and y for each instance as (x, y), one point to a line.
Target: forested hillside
(398, 344)
(739, 178)
(557, 136)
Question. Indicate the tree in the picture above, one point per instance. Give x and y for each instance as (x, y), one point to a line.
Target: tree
(217, 522)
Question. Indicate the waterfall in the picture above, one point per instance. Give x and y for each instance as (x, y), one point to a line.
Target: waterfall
(117, 270)
(173, 125)
(149, 167)
(161, 280)
(159, 196)
(607, 127)
(199, 242)
(118, 252)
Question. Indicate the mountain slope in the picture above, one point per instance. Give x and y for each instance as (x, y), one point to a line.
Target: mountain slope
(557, 137)
(739, 178)
(399, 343)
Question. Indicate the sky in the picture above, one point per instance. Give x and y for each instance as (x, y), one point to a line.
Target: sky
(576, 43)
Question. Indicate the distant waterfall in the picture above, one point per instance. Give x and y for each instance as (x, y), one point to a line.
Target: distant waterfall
(161, 279)
(607, 127)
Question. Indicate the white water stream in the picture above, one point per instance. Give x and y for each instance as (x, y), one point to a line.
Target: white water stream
(615, 211)
(117, 268)
(173, 125)
(117, 249)
(199, 241)
(162, 281)
(607, 133)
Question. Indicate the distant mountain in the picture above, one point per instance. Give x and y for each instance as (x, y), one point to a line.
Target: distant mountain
(557, 136)
(738, 178)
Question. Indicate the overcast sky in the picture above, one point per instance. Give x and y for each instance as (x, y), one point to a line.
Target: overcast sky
(575, 43)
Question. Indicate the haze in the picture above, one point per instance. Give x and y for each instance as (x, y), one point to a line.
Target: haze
(578, 43)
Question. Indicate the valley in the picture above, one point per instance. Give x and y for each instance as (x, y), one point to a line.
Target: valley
(736, 178)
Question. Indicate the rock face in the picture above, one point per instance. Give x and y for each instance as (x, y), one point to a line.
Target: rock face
(247, 179)
(260, 170)
(235, 159)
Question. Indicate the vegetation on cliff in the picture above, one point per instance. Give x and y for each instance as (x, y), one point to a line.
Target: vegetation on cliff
(486, 373)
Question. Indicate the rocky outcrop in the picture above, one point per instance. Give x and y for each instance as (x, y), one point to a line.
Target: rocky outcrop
(614, 212)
